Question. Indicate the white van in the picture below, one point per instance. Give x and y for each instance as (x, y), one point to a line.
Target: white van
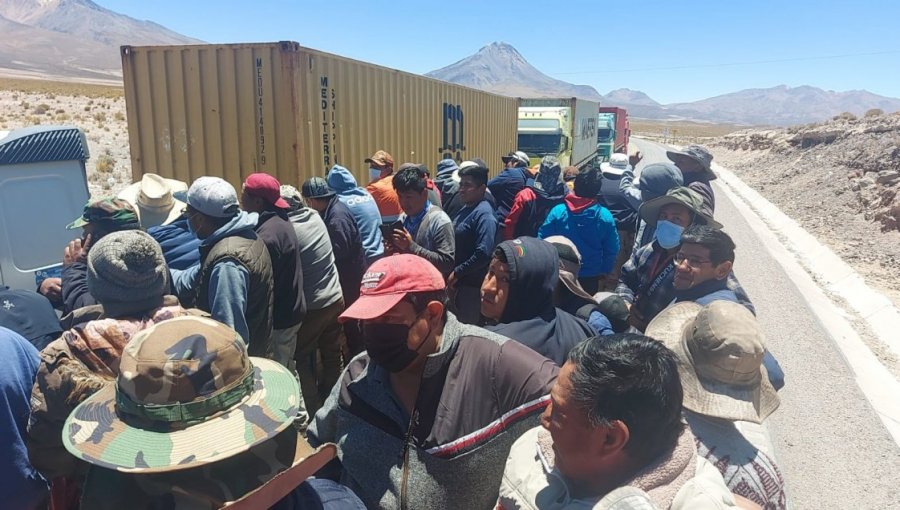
(43, 187)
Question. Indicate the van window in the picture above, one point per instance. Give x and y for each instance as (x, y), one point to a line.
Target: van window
(34, 212)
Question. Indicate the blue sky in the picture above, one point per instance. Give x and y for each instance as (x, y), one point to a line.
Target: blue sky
(674, 51)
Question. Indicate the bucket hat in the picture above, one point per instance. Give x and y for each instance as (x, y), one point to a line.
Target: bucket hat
(692, 157)
(153, 198)
(720, 359)
(569, 265)
(187, 395)
(111, 214)
(615, 167)
(687, 197)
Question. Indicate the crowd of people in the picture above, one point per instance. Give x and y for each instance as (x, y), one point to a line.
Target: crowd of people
(547, 338)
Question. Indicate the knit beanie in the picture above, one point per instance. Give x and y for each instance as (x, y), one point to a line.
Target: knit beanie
(127, 273)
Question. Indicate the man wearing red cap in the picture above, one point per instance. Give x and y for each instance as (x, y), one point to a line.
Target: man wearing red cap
(262, 195)
(426, 416)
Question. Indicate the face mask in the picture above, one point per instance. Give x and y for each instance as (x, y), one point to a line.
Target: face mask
(668, 234)
(374, 173)
(387, 345)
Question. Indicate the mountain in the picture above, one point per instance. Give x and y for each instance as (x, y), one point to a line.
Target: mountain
(72, 39)
(499, 68)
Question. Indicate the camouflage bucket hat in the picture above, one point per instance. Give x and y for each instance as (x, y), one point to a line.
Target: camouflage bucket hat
(187, 395)
(113, 214)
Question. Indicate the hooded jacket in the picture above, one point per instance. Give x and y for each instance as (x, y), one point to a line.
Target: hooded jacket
(506, 186)
(288, 303)
(363, 208)
(529, 316)
(179, 245)
(321, 286)
(591, 227)
(478, 393)
(346, 245)
(530, 209)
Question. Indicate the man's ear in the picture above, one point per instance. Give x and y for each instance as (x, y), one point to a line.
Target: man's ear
(615, 437)
(435, 311)
(724, 269)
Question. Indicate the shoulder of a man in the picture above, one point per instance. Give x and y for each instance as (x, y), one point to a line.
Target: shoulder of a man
(706, 490)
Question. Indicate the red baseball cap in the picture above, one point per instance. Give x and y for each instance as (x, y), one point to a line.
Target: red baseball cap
(388, 281)
(265, 186)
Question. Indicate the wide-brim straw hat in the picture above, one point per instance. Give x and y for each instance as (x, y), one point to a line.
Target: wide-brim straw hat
(689, 330)
(153, 199)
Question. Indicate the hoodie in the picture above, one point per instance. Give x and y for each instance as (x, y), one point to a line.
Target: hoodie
(531, 207)
(363, 208)
(321, 286)
(288, 305)
(529, 316)
(591, 227)
(506, 186)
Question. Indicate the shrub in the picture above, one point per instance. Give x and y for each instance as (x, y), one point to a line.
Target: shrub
(119, 116)
(105, 164)
(100, 117)
(87, 108)
(874, 112)
(39, 110)
(845, 116)
(60, 110)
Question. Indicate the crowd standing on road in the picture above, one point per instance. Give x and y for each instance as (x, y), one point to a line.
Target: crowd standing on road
(550, 338)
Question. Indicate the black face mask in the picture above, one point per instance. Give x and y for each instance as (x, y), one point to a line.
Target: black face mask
(387, 345)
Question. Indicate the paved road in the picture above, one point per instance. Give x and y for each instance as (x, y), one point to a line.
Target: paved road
(833, 450)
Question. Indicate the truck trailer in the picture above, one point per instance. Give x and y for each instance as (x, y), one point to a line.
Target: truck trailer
(233, 109)
(565, 128)
(612, 131)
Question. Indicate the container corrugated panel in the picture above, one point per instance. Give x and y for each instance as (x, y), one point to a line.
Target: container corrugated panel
(43, 143)
(231, 110)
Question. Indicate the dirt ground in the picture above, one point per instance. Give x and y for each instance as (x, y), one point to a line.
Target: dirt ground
(840, 180)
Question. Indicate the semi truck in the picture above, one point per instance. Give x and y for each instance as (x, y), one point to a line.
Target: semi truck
(233, 109)
(612, 131)
(565, 128)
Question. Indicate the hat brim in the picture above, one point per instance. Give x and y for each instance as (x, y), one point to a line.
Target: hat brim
(710, 398)
(150, 217)
(683, 157)
(649, 211)
(80, 222)
(571, 283)
(94, 432)
(608, 169)
(370, 307)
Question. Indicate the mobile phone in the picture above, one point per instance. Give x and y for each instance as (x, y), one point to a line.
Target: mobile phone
(387, 229)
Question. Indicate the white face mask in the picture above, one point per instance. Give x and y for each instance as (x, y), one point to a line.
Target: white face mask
(374, 173)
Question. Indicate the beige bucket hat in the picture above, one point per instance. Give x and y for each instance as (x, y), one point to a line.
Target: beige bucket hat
(720, 352)
(153, 199)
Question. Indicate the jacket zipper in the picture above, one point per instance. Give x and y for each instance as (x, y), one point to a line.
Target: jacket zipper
(413, 420)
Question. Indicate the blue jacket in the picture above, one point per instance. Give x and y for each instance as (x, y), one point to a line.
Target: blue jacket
(179, 245)
(229, 281)
(506, 186)
(475, 229)
(21, 486)
(591, 227)
(363, 208)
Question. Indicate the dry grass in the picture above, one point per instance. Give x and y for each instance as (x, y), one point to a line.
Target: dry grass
(52, 88)
(680, 131)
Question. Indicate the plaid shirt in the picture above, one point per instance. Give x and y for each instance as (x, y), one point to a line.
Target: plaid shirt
(646, 282)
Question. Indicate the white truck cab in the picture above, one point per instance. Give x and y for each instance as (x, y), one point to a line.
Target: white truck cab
(43, 187)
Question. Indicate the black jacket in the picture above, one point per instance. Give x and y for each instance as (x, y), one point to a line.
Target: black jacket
(277, 232)
(346, 243)
(529, 316)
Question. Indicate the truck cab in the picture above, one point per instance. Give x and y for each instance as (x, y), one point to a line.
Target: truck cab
(606, 135)
(43, 187)
(542, 132)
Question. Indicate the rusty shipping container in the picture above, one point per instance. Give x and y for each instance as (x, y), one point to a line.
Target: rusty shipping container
(234, 109)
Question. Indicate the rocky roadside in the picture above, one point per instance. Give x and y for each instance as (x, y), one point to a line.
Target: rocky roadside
(839, 179)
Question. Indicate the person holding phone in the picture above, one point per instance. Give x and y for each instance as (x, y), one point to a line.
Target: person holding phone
(423, 229)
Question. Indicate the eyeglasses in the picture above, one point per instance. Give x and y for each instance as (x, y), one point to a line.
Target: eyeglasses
(692, 261)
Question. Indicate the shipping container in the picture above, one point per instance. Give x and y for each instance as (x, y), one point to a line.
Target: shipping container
(613, 132)
(234, 109)
(565, 128)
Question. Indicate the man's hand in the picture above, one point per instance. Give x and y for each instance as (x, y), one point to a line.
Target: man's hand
(401, 240)
(51, 288)
(451, 280)
(635, 158)
(75, 252)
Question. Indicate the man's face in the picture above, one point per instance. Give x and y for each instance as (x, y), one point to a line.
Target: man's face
(696, 267)
(412, 202)
(197, 222)
(318, 204)
(251, 203)
(689, 166)
(510, 164)
(420, 325)
(495, 290)
(677, 214)
(574, 436)
(470, 191)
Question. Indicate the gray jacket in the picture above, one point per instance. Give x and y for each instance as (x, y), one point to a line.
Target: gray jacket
(435, 240)
(478, 394)
(321, 285)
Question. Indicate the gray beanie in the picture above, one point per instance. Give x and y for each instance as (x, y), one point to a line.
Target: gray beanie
(126, 273)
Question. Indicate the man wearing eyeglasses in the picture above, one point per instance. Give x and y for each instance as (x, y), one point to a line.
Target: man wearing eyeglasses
(702, 265)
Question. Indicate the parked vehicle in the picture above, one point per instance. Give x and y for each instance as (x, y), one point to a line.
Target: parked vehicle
(234, 109)
(565, 128)
(613, 132)
(43, 188)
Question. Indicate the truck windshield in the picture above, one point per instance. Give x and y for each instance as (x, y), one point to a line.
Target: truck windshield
(539, 144)
(605, 134)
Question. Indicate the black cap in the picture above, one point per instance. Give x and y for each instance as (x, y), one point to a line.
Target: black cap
(28, 314)
(316, 187)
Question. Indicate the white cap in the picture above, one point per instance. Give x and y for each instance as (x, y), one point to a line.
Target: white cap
(213, 196)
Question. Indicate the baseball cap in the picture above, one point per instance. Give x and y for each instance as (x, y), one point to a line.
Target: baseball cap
(517, 155)
(388, 281)
(28, 313)
(265, 186)
(316, 187)
(110, 213)
(213, 196)
(381, 158)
